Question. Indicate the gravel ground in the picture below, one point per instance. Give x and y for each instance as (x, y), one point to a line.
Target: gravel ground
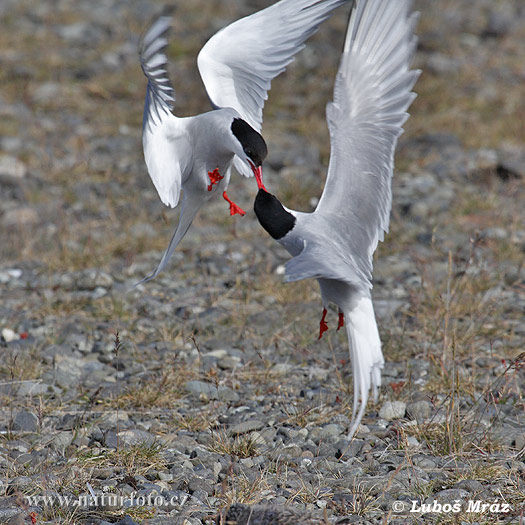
(204, 396)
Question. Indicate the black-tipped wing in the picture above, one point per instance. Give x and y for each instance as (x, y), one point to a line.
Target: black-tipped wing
(160, 95)
(167, 150)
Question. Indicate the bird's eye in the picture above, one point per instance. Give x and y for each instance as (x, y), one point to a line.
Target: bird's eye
(248, 152)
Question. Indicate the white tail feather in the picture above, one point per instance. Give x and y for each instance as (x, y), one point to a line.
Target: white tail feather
(365, 354)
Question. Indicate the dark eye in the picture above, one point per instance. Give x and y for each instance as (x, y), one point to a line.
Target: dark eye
(248, 152)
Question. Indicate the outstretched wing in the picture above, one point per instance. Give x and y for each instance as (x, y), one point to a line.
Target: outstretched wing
(239, 62)
(166, 149)
(371, 96)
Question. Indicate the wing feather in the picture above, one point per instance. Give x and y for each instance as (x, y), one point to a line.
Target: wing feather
(167, 151)
(239, 62)
(372, 93)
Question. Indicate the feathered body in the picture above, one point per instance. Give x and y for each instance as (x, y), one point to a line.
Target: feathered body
(195, 154)
(336, 242)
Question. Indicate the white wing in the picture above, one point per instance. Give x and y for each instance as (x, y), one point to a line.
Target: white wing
(239, 62)
(371, 96)
(166, 149)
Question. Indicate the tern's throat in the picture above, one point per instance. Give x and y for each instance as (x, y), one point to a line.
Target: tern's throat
(272, 215)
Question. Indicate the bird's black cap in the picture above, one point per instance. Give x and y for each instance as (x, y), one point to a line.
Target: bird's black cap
(272, 215)
(252, 142)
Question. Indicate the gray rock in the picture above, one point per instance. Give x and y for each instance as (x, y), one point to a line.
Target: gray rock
(63, 439)
(32, 388)
(25, 421)
(12, 167)
(222, 393)
(448, 496)
(200, 485)
(135, 436)
(67, 371)
(332, 430)
(246, 426)
(392, 410)
(199, 387)
(419, 410)
(470, 485)
(21, 217)
(17, 519)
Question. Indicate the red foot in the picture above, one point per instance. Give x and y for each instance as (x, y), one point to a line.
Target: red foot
(341, 320)
(233, 207)
(323, 327)
(215, 177)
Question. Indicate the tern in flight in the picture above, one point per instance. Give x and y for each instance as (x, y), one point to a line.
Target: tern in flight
(195, 154)
(336, 242)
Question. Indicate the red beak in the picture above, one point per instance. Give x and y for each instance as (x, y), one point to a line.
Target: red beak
(258, 175)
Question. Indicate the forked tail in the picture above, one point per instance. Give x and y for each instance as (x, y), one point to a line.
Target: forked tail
(191, 204)
(365, 354)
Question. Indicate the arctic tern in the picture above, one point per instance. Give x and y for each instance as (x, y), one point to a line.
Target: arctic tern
(195, 154)
(336, 242)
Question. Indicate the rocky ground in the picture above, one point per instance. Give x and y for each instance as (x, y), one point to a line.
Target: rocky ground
(207, 387)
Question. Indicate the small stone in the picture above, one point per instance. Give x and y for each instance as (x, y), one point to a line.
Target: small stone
(135, 436)
(63, 439)
(20, 217)
(470, 485)
(25, 422)
(200, 485)
(9, 335)
(332, 430)
(12, 167)
(32, 388)
(20, 482)
(200, 387)
(10, 275)
(392, 410)
(419, 410)
(425, 462)
(448, 495)
(246, 426)
(17, 519)
(412, 442)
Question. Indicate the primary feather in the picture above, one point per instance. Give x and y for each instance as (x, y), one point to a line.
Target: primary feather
(336, 242)
(238, 64)
(371, 96)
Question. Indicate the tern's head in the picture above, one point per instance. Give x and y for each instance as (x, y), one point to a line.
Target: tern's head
(272, 214)
(250, 147)
(253, 145)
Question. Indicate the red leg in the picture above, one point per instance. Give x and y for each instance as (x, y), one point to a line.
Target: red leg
(341, 320)
(215, 177)
(323, 327)
(233, 207)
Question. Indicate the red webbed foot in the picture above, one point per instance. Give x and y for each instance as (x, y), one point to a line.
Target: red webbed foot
(341, 322)
(323, 327)
(234, 209)
(215, 177)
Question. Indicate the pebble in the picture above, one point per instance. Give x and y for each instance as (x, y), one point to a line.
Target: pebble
(135, 436)
(246, 426)
(21, 217)
(418, 410)
(9, 335)
(25, 421)
(392, 410)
